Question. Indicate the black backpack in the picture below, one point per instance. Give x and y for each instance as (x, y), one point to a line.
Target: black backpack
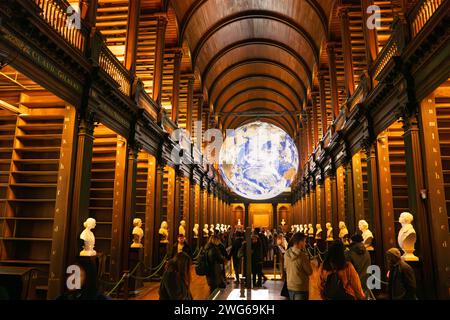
(334, 288)
(201, 265)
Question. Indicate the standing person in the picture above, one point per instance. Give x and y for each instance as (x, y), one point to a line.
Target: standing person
(338, 279)
(358, 255)
(216, 259)
(402, 280)
(181, 246)
(176, 280)
(235, 253)
(298, 268)
(257, 261)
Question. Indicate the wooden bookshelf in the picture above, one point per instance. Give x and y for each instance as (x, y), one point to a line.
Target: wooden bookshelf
(35, 165)
(442, 104)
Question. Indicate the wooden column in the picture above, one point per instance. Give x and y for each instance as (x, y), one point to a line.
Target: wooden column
(201, 212)
(416, 184)
(323, 104)
(385, 192)
(310, 134)
(191, 219)
(315, 120)
(350, 218)
(334, 206)
(130, 204)
(178, 213)
(333, 79)
(61, 221)
(436, 201)
(347, 50)
(370, 35)
(248, 247)
(119, 208)
(358, 189)
(159, 59)
(313, 199)
(190, 96)
(374, 219)
(150, 214)
(134, 9)
(81, 183)
(323, 207)
(176, 85)
(159, 190)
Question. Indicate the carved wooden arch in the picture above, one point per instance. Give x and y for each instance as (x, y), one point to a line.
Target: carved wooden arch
(264, 100)
(237, 122)
(250, 89)
(268, 42)
(196, 6)
(257, 76)
(256, 14)
(246, 62)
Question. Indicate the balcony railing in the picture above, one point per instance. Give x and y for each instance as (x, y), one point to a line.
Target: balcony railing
(422, 13)
(389, 50)
(109, 63)
(58, 14)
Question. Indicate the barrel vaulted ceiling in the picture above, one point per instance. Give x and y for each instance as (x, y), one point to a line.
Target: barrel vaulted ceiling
(253, 57)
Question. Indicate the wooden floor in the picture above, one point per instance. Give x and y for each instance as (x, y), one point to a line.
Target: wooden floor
(200, 289)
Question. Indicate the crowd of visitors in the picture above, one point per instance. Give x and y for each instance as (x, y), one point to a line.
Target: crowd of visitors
(341, 273)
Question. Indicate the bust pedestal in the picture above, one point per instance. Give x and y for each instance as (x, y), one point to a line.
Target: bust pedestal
(136, 256)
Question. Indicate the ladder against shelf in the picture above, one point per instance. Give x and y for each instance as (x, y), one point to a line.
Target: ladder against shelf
(38, 185)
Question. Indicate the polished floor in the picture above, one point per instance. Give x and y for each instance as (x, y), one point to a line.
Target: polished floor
(200, 290)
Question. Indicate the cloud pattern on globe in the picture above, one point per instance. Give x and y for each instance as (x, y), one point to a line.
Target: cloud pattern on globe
(258, 161)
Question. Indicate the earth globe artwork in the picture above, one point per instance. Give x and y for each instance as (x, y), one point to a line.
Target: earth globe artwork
(258, 160)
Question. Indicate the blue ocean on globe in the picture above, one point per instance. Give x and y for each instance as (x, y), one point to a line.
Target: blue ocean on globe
(258, 161)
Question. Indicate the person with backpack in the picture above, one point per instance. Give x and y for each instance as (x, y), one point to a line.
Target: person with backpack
(215, 260)
(402, 280)
(338, 279)
(358, 255)
(298, 268)
(175, 282)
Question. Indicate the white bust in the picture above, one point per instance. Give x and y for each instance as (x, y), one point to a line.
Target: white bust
(300, 228)
(329, 231)
(182, 228)
(195, 230)
(318, 231)
(407, 237)
(343, 232)
(293, 228)
(239, 222)
(283, 222)
(164, 232)
(211, 229)
(89, 239)
(310, 230)
(137, 233)
(205, 230)
(222, 228)
(305, 228)
(366, 234)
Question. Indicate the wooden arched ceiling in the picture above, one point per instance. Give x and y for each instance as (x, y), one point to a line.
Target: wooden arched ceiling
(246, 47)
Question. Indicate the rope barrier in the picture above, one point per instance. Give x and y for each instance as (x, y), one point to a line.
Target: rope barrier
(126, 274)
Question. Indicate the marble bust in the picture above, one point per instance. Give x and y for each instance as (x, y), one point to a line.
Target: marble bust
(164, 233)
(239, 222)
(211, 229)
(343, 232)
(305, 228)
(300, 228)
(137, 233)
(366, 234)
(310, 230)
(318, 231)
(329, 231)
(89, 239)
(195, 230)
(407, 237)
(205, 231)
(182, 228)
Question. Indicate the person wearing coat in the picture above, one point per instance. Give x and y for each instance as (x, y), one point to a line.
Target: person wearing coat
(234, 253)
(402, 280)
(358, 255)
(181, 246)
(216, 259)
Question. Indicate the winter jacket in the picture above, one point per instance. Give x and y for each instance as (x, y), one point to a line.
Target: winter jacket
(298, 269)
(173, 289)
(349, 278)
(402, 282)
(216, 259)
(360, 258)
(186, 249)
